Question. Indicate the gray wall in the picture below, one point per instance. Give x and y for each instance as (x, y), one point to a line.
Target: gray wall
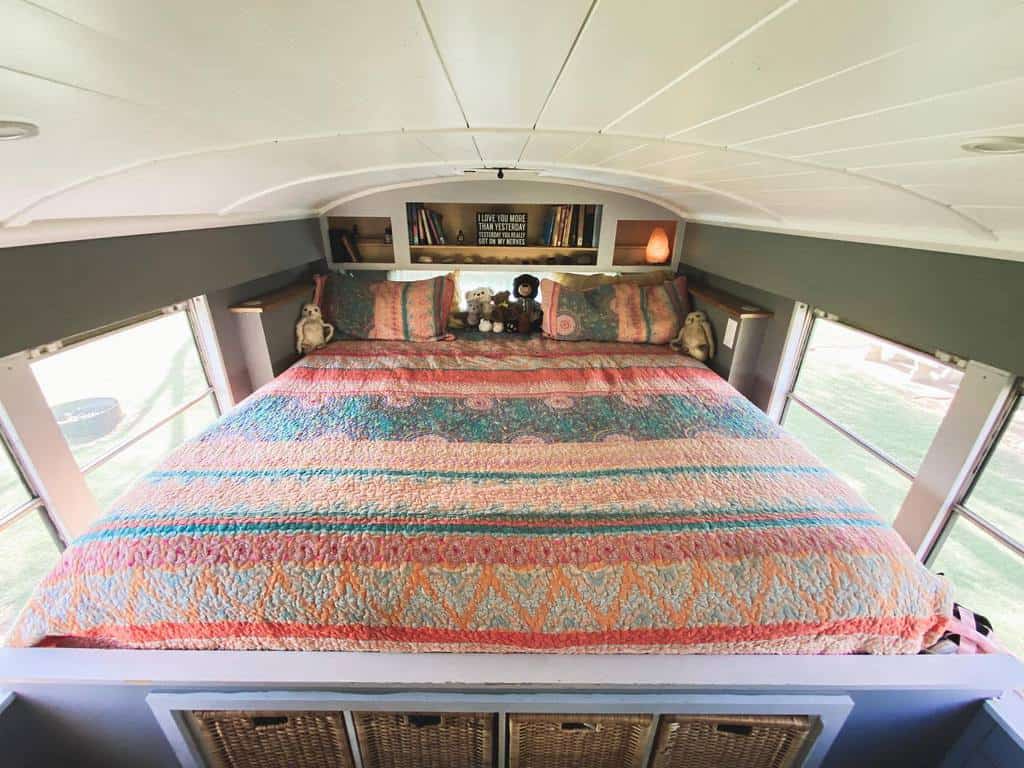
(930, 300)
(57, 289)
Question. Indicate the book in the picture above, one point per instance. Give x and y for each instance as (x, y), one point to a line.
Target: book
(581, 209)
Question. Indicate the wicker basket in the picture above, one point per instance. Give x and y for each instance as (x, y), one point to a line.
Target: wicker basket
(578, 741)
(231, 739)
(426, 739)
(729, 741)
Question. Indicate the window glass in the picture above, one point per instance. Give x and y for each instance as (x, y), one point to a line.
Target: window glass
(116, 386)
(890, 397)
(998, 495)
(13, 492)
(114, 477)
(878, 484)
(27, 553)
(987, 578)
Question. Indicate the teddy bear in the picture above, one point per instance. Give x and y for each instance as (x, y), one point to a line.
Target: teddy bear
(695, 338)
(311, 332)
(529, 315)
(502, 313)
(479, 308)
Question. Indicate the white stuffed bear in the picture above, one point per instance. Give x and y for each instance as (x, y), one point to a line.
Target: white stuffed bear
(478, 304)
(311, 332)
(695, 338)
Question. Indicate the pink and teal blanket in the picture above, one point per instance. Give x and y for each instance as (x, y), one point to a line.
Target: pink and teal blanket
(499, 495)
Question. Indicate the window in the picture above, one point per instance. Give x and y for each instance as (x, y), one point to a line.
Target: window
(126, 398)
(982, 548)
(869, 409)
(467, 280)
(28, 545)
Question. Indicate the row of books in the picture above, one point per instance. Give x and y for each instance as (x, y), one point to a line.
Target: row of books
(572, 226)
(425, 225)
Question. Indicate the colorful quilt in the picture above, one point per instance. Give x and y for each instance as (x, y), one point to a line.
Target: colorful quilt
(504, 494)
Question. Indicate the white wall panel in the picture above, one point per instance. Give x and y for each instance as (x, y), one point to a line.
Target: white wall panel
(970, 56)
(632, 48)
(977, 110)
(503, 57)
(808, 41)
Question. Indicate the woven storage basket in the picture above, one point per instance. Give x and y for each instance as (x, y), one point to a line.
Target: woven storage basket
(729, 741)
(578, 741)
(272, 739)
(426, 739)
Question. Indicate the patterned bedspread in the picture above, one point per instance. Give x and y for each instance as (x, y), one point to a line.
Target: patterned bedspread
(496, 495)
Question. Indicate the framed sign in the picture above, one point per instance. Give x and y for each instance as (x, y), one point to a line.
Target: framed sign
(500, 228)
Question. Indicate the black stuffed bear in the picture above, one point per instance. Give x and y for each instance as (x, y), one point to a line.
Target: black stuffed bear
(524, 292)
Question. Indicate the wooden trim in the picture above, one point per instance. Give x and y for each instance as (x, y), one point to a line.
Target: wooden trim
(732, 305)
(529, 671)
(273, 299)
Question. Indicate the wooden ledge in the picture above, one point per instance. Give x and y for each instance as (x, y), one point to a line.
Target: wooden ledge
(732, 305)
(275, 298)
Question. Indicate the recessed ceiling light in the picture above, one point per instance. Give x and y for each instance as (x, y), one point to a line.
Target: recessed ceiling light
(996, 145)
(10, 130)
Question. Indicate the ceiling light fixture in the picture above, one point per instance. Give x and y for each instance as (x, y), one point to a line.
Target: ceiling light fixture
(996, 145)
(11, 130)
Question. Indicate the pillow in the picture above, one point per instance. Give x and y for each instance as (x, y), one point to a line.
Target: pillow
(385, 309)
(645, 314)
(573, 280)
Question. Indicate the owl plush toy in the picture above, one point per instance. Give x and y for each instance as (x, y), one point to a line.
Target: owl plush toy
(695, 338)
(311, 332)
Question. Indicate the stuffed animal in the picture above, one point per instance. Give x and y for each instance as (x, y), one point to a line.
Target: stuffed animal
(525, 288)
(502, 314)
(479, 308)
(695, 338)
(311, 332)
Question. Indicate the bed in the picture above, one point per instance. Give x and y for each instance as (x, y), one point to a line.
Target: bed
(492, 494)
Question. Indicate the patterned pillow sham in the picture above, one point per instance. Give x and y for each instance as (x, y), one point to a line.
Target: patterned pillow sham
(383, 309)
(643, 314)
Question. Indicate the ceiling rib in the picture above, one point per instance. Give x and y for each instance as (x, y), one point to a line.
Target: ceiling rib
(565, 61)
(444, 66)
(706, 60)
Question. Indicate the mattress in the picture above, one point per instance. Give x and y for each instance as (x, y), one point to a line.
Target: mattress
(494, 494)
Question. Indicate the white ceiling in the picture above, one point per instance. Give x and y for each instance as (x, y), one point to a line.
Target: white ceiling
(841, 118)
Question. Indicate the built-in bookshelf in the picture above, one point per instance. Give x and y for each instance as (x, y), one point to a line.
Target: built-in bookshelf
(632, 237)
(361, 239)
(504, 233)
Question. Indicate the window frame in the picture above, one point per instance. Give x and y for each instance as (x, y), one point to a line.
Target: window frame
(966, 440)
(792, 364)
(43, 457)
(959, 509)
(35, 503)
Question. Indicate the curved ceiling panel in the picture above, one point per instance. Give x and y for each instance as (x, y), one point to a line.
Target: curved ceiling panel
(838, 117)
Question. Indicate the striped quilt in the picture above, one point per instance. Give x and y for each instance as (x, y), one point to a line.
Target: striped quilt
(505, 494)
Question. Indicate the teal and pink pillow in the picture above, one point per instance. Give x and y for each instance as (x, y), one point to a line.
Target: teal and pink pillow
(642, 314)
(384, 309)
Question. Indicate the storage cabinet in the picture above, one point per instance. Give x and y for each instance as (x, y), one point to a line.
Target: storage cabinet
(739, 330)
(342, 738)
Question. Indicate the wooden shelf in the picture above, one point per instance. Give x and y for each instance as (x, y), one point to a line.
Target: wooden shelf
(523, 249)
(733, 306)
(276, 298)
